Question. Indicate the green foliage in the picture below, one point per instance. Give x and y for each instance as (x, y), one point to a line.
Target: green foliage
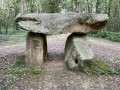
(20, 60)
(9, 10)
(13, 37)
(117, 72)
(13, 31)
(118, 57)
(10, 78)
(5, 84)
(36, 70)
(69, 6)
(2, 14)
(21, 32)
(113, 36)
(14, 40)
(51, 6)
(97, 67)
(33, 71)
(23, 71)
(4, 38)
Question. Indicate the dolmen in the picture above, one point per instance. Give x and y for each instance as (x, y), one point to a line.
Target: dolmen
(77, 49)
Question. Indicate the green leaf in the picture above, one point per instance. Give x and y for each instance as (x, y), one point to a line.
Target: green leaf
(118, 72)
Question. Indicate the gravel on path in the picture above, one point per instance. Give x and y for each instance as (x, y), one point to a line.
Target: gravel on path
(105, 50)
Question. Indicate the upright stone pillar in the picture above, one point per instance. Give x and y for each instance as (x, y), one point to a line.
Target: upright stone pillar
(36, 49)
(78, 52)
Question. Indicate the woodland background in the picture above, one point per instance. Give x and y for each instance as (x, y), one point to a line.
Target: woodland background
(10, 8)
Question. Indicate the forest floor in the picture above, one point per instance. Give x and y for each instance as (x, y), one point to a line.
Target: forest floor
(55, 75)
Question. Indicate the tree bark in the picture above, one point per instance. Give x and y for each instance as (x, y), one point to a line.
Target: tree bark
(22, 8)
(16, 12)
(78, 6)
(31, 6)
(109, 7)
(0, 30)
(6, 28)
(97, 6)
(6, 25)
(88, 7)
(39, 6)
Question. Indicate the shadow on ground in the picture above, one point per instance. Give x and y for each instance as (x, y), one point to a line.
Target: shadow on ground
(56, 76)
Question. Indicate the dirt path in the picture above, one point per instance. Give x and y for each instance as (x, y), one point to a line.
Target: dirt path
(60, 78)
(13, 49)
(107, 51)
(104, 49)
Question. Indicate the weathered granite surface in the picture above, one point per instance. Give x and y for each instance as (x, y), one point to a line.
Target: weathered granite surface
(58, 23)
(36, 49)
(78, 52)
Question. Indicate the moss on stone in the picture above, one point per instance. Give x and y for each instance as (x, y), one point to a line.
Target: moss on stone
(95, 66)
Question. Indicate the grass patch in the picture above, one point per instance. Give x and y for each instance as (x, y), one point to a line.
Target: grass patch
(117, 57)
(13, 37)
(90, 67)
(97, 67)
(33, 71)
(20, 60)
(21, 69)
(19, 66)
(13, 31)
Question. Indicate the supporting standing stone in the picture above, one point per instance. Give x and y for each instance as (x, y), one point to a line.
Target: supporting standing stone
(36, 49)
(78, 53)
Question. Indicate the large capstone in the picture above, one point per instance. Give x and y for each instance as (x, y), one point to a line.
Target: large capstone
(58, 23)
(78, 53)
(36, 49)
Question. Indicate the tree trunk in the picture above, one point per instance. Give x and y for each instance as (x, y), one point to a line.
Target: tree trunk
(39, 6)
(97, 6)
(88, 7)
(16, 12)
(22, 8)
(6, 29)
(109, 7)
(0, 30)
(6, 24)
(16, 26)
(78, 6)
(31, 6)
(106, 7)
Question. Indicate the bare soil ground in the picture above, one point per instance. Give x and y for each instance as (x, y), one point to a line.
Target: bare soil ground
(56, 75)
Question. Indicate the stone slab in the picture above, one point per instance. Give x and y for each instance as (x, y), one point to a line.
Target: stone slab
(58, 23)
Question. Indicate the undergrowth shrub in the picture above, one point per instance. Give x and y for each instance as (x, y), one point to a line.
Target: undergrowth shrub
(20, 60)
(13, 31)
(113, 36)
(98, 67)
(4, 38)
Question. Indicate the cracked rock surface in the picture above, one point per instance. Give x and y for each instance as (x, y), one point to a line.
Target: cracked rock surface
(77, 51)
(58, 23)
